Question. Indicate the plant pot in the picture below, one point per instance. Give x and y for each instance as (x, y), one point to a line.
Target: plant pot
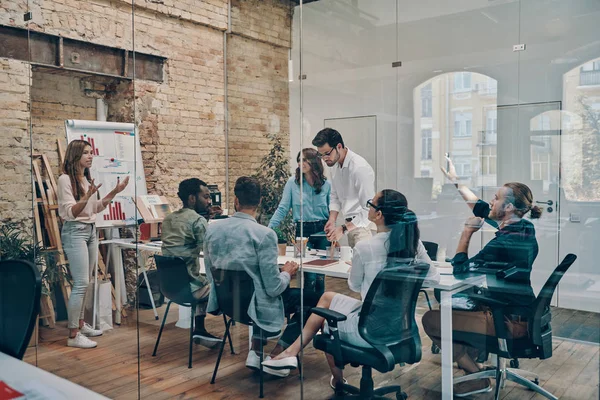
(281, 247)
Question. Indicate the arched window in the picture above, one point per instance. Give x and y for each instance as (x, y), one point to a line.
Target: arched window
(455, 113)
(580, 125)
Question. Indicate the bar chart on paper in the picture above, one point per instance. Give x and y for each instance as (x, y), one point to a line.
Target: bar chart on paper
(115, 212)
(93, 142)
(117, 157)
(120, 211)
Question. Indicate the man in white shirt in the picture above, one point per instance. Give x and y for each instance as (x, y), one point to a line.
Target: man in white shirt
(352, 185)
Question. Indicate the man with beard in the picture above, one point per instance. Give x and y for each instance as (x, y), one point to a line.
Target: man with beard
(183, 234)
(352, 185)
(515, 244)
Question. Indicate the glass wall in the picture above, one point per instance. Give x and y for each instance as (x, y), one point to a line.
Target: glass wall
(506, 92)
(195, 106)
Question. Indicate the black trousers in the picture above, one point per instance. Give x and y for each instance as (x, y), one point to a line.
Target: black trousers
(291, 304)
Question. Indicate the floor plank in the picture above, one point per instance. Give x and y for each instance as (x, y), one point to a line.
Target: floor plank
(112, 368)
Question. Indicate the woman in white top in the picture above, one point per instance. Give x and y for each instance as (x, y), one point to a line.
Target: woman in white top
(78, 204)
(398, 237)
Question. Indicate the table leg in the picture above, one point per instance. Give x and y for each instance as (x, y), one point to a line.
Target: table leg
(95, 283)
(143, 267)
(447, 362)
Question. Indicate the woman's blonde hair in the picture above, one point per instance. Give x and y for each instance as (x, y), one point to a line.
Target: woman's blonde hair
(71, 165)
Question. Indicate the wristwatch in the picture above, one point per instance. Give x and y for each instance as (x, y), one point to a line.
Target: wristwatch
(344, 228)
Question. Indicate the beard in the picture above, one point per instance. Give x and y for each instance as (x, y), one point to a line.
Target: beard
(497, 215)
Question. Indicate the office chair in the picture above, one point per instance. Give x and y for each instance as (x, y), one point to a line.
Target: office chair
(234, 293)
(174, 283)
(387, 322)
(537, 344)
(20, 291)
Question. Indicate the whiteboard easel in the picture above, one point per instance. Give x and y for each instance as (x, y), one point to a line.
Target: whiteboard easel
(117, 154)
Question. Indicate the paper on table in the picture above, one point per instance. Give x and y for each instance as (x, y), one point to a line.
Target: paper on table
(281, 260)
(33, 390)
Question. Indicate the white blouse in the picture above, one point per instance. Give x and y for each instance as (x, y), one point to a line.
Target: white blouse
(66, 201)
(370, 257)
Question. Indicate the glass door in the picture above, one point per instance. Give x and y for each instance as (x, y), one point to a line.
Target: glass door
(529, 152)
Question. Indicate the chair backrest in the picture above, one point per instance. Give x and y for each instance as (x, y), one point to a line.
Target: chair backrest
(387, 316)
(540, 328)
(234, 291)
(432, 249)
(174, 279)
(20, 291)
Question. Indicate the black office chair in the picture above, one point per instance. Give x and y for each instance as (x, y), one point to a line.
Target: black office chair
(20, 291)
(537, 344)
(174, 283)
(387, 322)
(431, 249)
(234, 292)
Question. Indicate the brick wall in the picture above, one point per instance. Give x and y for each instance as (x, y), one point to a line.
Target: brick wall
(181, 120)
(55, 98)
(264, 20)
(258, 102)
(15, 190)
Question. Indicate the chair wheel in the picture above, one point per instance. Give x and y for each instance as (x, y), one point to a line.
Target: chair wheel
(401, 396)
(435, 349)
(514, 363)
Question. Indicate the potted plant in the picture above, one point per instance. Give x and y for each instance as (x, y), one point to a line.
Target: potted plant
(17, 244)
(281, 241)
(273, 173)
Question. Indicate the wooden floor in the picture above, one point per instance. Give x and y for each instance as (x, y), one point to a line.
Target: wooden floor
(112, 368)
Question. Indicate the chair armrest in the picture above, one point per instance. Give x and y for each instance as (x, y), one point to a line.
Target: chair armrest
(332, 317)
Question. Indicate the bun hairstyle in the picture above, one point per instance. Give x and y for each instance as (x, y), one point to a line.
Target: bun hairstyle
(404, 230)
(522, 199)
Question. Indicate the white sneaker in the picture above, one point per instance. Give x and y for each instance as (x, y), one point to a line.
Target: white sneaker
(253, 362)
(81, 341)
(88, 331)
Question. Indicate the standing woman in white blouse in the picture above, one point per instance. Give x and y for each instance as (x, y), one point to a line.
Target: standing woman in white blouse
(78, 205)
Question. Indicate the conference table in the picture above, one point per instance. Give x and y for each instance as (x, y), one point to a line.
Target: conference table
(448, 285)
(36, 384)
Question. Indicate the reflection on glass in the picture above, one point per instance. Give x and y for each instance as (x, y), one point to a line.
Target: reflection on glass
(457, 115)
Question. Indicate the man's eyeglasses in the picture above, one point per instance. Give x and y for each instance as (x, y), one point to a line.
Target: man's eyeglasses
(326, 154)
(375, 207)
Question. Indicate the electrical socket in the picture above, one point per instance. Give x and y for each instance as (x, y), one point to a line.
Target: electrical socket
(519, 47)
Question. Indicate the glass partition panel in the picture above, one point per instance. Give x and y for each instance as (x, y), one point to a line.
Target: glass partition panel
(18, 233)
(560, 65)
(452, 79)
(82, 156)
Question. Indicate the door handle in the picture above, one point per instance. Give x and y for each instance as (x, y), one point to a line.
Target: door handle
(549, 202)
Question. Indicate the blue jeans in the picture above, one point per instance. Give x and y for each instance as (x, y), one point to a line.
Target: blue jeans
(81, 247)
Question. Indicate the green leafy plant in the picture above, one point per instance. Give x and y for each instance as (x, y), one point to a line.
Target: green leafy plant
(273, 174)
(281, 238)
(17, 244)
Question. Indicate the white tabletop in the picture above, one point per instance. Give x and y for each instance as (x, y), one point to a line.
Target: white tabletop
(339, 270)
(36, 383)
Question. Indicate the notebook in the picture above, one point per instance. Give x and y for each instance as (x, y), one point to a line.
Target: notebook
(321, 263)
